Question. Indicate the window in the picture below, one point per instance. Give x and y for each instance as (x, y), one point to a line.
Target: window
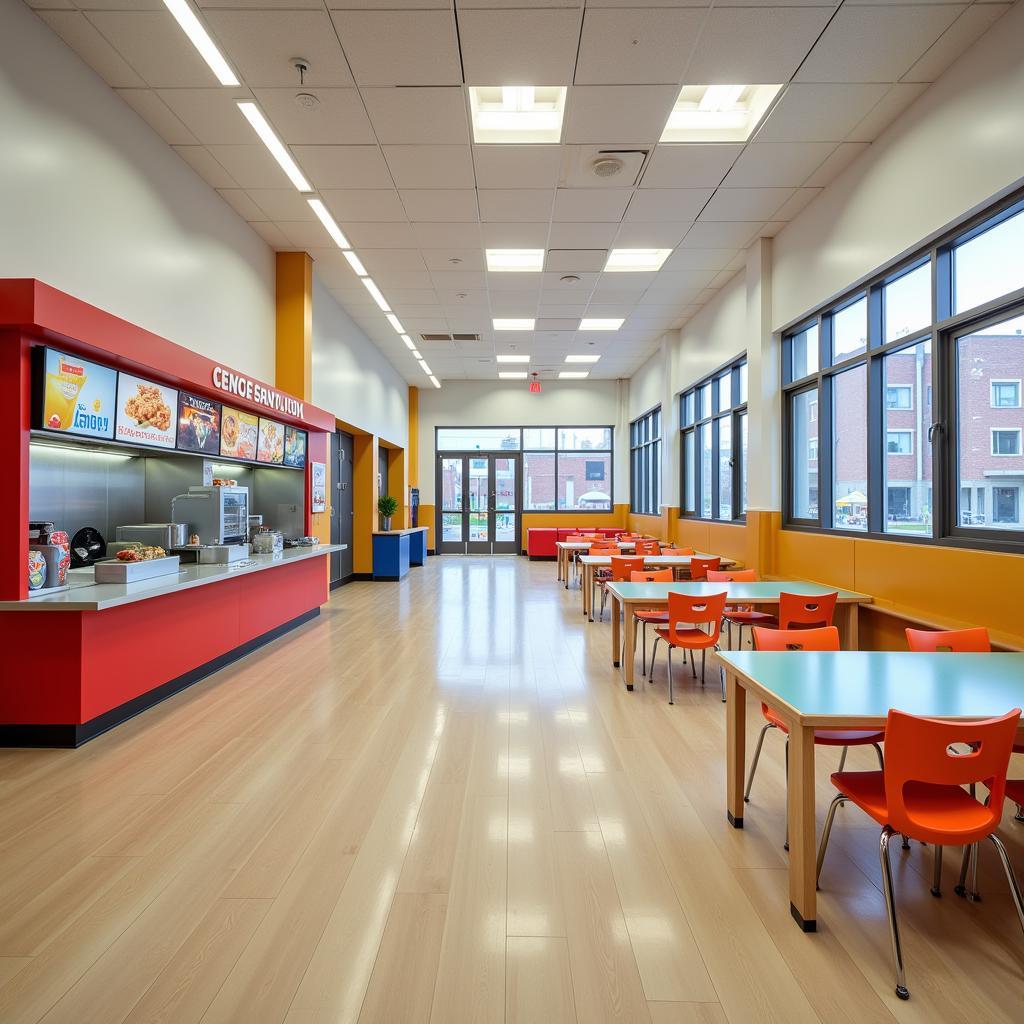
(929, 349)
(645, 464)
(899, 442)
(1005, 394)
(713, 414)
(1006, 442)
(899, 397)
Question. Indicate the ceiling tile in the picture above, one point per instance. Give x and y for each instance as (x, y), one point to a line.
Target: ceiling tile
(400, 47)
(380, 235)
(404, 279)
(582, 236)
(516, 204)
(392, 259)
(699, 259)
(796, 202)
(891, 105)
(514, 235)
(447, 235)
(431, 205)
(720, 235)
(762, 45)
(338, 117)
(518, 46)
(158, 115)
(211, 115)
(568, 291)
(249, 166)
(775, 164)
(261, 45)
(344, 166)
(445, 277)
(418, 115)
(745, 204)
(574, 260)
(281, 204)
(206, 166)
(876, 44)
(842, 156)
(153, 44)
(444, 167)
(673, 204)
(87, 41)
(304, 233)
(272, 235)
(651, 235)
(689, 165)
(636, 45)
(242, 204)
(960, 35)
(517, 166)
(627, 114)
(438, 260)
(593, 204)
(819, 113)
(364, 204)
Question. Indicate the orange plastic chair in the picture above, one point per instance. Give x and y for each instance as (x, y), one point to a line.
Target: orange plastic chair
(823, 638)
(739, 614)
(699, 567)
(955, 641)
(919, 794)
(697, 611)
(621, 568)
(650, 616)
(677, 551)
(648, 547)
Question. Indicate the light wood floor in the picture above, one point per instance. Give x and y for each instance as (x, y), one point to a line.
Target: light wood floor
(436, 803)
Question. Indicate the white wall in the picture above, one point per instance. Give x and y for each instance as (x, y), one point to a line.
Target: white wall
(647, 385)
(956, 146)
(510, 404)
(351, 376)
(93, 202)
(717, 334)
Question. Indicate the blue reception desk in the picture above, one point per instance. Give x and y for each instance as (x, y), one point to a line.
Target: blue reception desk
(395, 550)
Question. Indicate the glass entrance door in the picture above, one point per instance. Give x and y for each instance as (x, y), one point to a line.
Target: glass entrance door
(480, 497)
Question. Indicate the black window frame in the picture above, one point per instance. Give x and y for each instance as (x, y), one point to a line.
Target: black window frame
(645, 463)
(942, 390)
(710, 420)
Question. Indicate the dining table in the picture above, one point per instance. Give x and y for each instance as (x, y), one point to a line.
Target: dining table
(848, 690)
(566, 550)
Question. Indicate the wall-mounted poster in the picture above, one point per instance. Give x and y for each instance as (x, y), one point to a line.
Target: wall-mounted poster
(198, 424)
(78, 396)
(295, 447)
(271, 443)
(319, 495)
(238, 433)
(145, 412)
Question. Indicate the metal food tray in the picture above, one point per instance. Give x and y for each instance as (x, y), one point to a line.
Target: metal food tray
(132, 572)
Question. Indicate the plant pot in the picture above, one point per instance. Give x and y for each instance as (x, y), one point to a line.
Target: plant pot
(385, 522)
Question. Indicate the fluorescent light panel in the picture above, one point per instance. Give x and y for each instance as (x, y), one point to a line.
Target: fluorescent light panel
(718, 113)
(260, 125)
(416, 355)
(513, 359)
(425, 368)
(329, 223)
(435, 381)
(582, 359)
(517, 113)
(601, 323)
(372, 288)
(515, 260)
(396, 323)
(573, 374)
(513, 375)
(193, 28)
(355, 263)
(636, 261)
(513, 323)
(409, 344)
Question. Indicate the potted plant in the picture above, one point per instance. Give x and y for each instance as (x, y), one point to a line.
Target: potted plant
(387, 506)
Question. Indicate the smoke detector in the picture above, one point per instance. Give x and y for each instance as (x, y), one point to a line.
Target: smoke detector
(569, 279)
(307, 100)
(607, 166)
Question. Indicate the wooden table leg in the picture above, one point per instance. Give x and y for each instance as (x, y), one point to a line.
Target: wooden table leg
(616, 633)
(735, 747)
(802, 866)
(850, 626)
(630, 645)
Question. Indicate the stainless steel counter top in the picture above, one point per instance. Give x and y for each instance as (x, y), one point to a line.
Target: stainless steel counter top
(85, 595)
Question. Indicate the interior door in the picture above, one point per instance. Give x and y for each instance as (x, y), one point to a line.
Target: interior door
(506, 489)
(480, 496)
(342, 507)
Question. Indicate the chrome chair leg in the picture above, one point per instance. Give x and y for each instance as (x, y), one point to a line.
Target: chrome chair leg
(671, 693)
(936, 889)
(753, 763)
(643, 659)
(693, 666)
(703, 661)
(1011, 878)
(654, 654)
(837, 801)
(970, 861)
(842, 759)
(890, 906)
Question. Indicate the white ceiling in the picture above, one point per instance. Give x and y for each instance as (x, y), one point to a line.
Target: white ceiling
(388, 146)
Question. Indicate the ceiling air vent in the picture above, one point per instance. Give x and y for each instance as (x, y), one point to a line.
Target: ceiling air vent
(465, 337)
(435, 337)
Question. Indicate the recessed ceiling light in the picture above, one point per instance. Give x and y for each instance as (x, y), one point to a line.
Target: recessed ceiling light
(355, 263)
(395, 322)
(513, 324)
(517, 113)
(593, 323)
(409, 343)
(255, 117)
(513, 375)
(434, 381)
(718, 113)
(513, 359)
(425, 368)
(372, 288)
(573, 374)
(635, 260)
(520, 260)
(416, 355)
(193, 28)
(328, 222)
(582, 359)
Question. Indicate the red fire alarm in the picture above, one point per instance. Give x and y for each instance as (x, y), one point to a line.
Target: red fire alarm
(535, 386)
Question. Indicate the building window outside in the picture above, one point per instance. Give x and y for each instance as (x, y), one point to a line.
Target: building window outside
(1005, 394)
(899, 442)
(645, 464)
(1005, 442)
(898, 397)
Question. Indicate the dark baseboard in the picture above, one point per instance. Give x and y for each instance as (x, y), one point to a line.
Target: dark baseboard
(541, 558)
(360, 577)
(431, 551)
(76, 735)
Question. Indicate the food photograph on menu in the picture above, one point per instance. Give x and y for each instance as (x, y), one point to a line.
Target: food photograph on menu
(271, 443)
(198, 424)
(145, 412)
(78, 396)
(238, 433)
(295, 447)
